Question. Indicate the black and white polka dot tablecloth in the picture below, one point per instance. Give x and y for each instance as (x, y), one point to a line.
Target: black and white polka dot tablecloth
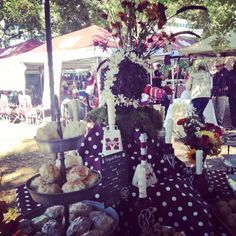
(173, 200)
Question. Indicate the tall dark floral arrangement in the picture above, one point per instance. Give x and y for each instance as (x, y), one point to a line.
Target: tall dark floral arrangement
(125, 74)
(131, 72)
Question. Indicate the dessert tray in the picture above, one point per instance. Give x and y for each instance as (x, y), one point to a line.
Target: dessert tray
(96, 206)
(47, 199)
(59, 146)
(225, 211)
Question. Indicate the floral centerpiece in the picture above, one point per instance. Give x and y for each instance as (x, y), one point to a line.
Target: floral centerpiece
(126, 73)
(199, 136)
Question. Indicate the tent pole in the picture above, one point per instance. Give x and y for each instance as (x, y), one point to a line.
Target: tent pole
(49, 54)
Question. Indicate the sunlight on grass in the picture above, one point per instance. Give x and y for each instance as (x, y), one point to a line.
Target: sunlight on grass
(16, 177)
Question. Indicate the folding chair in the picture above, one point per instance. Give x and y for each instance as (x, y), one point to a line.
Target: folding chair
(32, 115)
(6, 112)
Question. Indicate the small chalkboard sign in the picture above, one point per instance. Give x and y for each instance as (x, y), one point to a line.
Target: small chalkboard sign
(115, 180)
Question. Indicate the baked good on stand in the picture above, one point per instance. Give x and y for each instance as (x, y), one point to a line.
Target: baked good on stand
(51, 221)
(52, 228)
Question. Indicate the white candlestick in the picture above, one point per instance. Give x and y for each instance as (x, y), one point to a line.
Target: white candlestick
(169, 130)
(111, 112)
(142, 181)
(199, 162)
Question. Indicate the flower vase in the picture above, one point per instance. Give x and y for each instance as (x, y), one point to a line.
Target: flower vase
(200, 181)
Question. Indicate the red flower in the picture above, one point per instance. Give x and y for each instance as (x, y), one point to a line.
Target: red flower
(142, 6)
(142, 24)
(150, 40)
(116, 25)
(95, 43)
(104, 15)
(122, 15)
(182, 121)
(204, 141)
(162, 15)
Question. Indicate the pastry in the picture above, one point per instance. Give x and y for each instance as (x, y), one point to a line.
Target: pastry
(40, 234)
(225, 210)
(221, 203)
(79, 209)
(70, 161)
(75, 129)
(49, 188)
(94, 232)
(232, 204)
(94, 214)
(231, 220)
(73, 186)
(52, 228)
(26, 226)
(36, 182)
(50, 173)
(79, 226)
(39, 221)
(77, 173)
(91, 179)
(55, 212)
(103, 222)
(48, 132)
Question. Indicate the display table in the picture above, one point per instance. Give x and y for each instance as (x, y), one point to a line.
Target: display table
(173, 200)
(181, 107)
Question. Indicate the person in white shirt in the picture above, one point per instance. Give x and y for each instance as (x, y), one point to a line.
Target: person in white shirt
(199, 84)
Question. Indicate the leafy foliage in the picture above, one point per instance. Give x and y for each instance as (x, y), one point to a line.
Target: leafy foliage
(25, 18)
(146, 118)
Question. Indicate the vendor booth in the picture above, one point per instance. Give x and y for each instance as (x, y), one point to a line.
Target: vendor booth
(71, 52)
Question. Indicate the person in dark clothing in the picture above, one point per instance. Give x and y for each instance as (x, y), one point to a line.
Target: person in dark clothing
(157, 79)
(232, 95)
(220, 91)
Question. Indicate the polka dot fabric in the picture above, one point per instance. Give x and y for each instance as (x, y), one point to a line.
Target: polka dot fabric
(177, 204)
(173, 201)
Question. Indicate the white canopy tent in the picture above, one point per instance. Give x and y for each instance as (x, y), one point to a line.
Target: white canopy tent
(12, 71)
(204, 48)
(12, 74)
(71, 51)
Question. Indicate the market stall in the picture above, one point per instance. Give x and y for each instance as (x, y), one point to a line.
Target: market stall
(124, 160)
(71, 52)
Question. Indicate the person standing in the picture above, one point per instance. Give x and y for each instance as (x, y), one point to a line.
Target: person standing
(220, 91)
(232, 95)
(199, 85)
(157, 78)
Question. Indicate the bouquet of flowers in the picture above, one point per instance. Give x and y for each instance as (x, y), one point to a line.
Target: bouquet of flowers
(199, 136)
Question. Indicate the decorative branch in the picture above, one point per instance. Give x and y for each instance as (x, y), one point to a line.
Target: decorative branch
(186, 32)
(187, 8)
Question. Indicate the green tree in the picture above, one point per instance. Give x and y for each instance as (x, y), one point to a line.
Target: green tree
(221, 18)
(25, 18)
(19, 18)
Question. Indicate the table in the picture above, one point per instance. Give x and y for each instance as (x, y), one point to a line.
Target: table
(230, 162)
(174, 201)
(181, 107)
